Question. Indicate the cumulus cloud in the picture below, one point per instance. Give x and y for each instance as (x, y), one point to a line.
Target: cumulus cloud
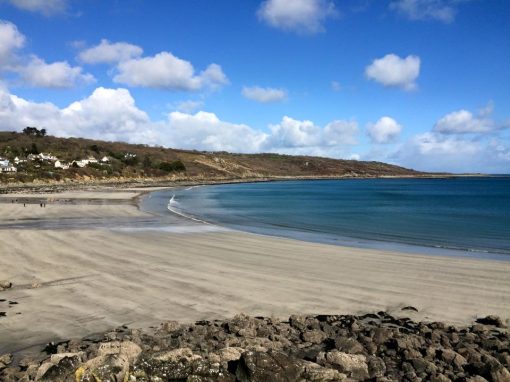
(45, 7)
(264, 95)
(439, 10)
(32, 70)
(394, 71)
(464, 122)
(385, 130)
(437, 152)
(301, 16)
(166, 71)
(112, 114)
(110, 53)
(59, 74)
(292, 133)
(10, 41)
(205, 131)
(109, 114)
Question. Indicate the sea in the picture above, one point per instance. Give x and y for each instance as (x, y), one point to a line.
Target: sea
(461, 216)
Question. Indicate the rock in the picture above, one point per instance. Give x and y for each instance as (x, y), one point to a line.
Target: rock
(315, 373)
(476, 378)
(440, 378)
(376, 367)
(500, 374)
(354, 365)
(4, 285)
(421, 365)
(313, 336)
(409, 308)
(60, 367)
(349, 345)
(491, 320)
(5, 360)
(113, 361)
(230, 354)
(261, 367)
(451, 357)
(178, 355)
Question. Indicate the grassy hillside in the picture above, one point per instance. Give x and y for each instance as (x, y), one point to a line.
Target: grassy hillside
(141, 161)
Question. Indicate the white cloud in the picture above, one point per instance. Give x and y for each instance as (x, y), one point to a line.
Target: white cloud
(45, 7)
(10, 41)
(437, 152)
(385, 130)
(292, 133)
(109, 114)
(166, 71)
(55, 75)
(464, 122)
(110, 53)
(205, 131)
(340, 132)
(440, 10)
(264, 95)
(391, 70)
(302, 16)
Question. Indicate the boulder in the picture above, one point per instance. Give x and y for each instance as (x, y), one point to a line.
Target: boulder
(59, 368)
(113, 360)
(491, 320)
(272, 366)
(354, 365)
(4, 285)
(5, 360)
(314, 336)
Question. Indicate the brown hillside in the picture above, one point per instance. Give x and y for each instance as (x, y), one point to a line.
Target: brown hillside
(149, 162)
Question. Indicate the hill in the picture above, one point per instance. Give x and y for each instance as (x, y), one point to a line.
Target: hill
(124, 162)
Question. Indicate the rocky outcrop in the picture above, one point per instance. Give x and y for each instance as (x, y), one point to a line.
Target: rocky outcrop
(372, 347)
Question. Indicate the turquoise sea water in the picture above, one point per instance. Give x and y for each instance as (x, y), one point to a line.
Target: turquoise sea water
(463, 214)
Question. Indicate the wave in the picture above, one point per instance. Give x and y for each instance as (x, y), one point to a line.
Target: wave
(172, 203)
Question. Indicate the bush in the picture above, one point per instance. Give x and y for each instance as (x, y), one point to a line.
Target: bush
(176, 165)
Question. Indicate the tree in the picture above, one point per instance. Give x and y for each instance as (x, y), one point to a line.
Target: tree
(34, 131)
(172, 166)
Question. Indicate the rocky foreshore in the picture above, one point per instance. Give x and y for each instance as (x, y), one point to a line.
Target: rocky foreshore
(372, 347)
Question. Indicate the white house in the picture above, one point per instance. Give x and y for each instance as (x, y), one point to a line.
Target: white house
(61, 164)
(47, 157)
(5, 166)
(17, 160)
(105, 159)
(8, 169)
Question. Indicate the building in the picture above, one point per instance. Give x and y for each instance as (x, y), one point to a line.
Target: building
(5, 166)
(61, 164)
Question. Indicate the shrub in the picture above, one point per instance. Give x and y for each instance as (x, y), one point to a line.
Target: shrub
(176, 165)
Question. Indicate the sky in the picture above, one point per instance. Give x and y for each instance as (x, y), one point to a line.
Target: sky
(419, 83)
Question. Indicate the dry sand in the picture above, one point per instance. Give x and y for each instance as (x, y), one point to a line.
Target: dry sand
(91, 280)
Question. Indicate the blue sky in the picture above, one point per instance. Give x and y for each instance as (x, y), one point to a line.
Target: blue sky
(420, 83)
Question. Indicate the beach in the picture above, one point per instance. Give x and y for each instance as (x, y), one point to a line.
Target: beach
(72, 282)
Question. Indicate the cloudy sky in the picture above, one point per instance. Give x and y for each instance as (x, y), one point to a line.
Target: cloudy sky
(420, 83)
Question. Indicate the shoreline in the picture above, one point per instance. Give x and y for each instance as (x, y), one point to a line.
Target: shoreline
(350, 242)
(9, 188)
(73, 282)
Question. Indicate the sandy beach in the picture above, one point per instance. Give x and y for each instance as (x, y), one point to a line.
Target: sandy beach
(71, 282)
